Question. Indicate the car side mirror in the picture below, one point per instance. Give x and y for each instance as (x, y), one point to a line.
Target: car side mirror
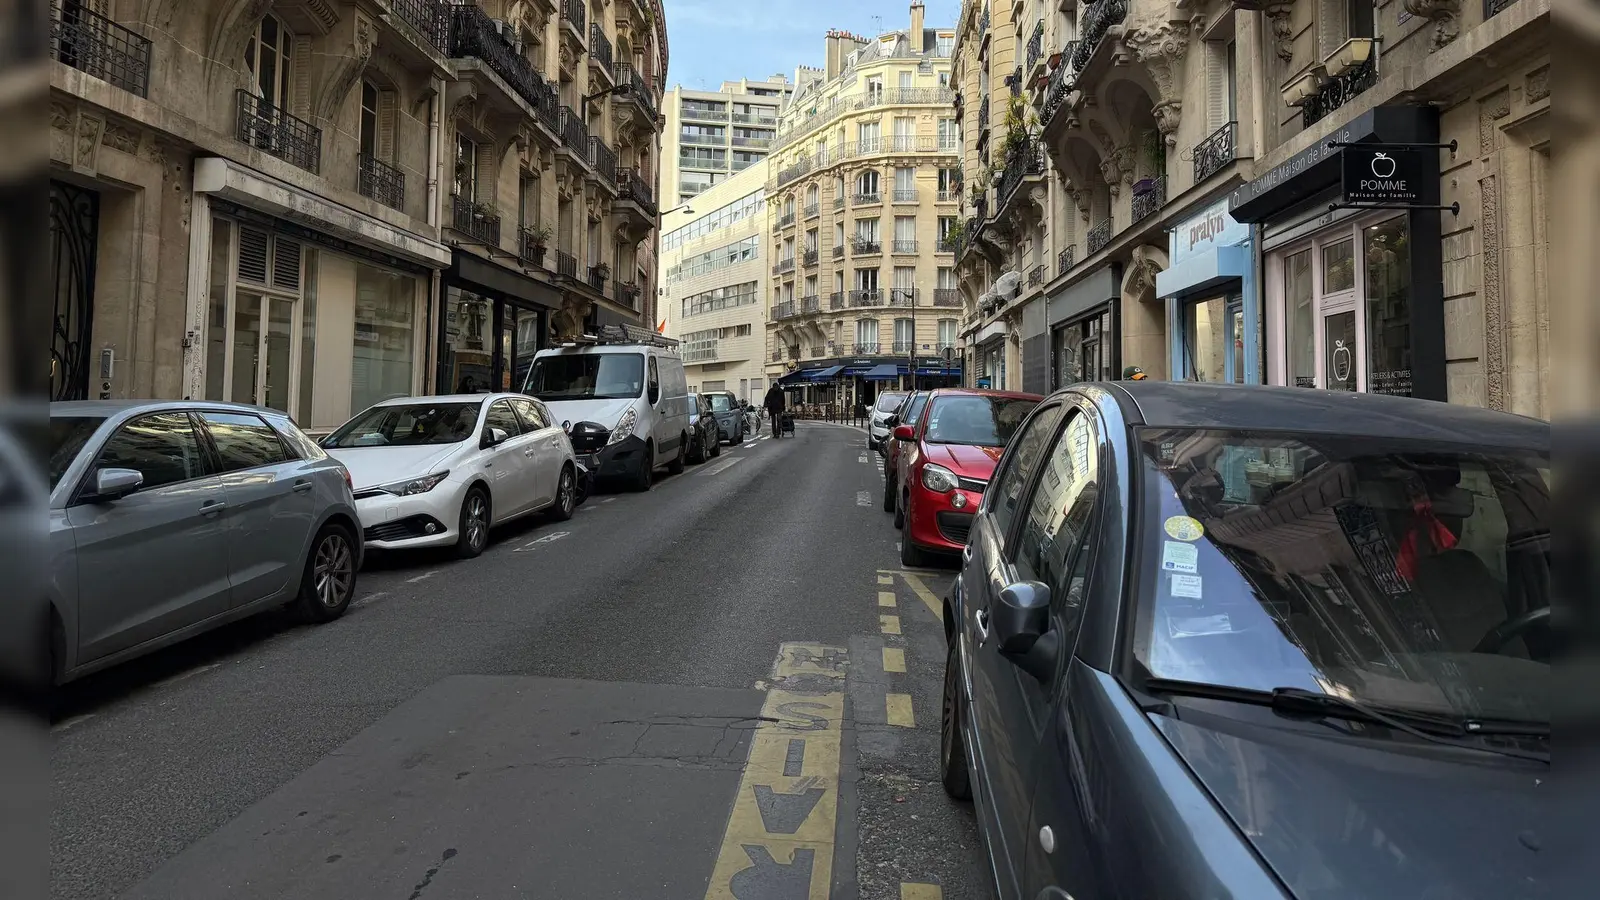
(903, 433)
(495, 437)
(113, 484)
(567, 426)
(1022, 628)
(891, 420)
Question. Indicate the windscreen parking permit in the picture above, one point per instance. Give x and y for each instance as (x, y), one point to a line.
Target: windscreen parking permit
(1177, 556)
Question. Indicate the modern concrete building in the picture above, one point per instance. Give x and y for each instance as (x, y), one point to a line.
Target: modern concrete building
(712, 135)
(1191, 213)
(865, 188)
(312, 205)
(714, 282)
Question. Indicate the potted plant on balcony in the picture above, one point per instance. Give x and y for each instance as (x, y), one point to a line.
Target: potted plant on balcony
(483, 210)
(1155, 159)
(538, 238)
(602, 271)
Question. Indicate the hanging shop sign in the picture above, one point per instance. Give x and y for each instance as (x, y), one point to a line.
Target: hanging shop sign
(1394, 175)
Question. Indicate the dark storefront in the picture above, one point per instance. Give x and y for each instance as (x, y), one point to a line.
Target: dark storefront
(493, 321)
(1085, 339)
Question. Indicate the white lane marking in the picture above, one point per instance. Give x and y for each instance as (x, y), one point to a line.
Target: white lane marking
(75, 720)
(609, 500)
(181, 676)
(542, 539)
(423, 577)
(863, 498)
(719, 468)
(585, 509)
(376, 595)
(862, 458)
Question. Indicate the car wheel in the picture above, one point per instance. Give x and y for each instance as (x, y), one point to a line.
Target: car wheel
(566, 496)
(900, 514)
(953, 770)
(888, 494)
(738, 437)
(329, 581)
(647, 469)
(716, 448)
(676, 466)
(912, 556)
(473, 530)
(696, 453)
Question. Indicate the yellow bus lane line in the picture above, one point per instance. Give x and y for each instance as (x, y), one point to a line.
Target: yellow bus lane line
(780, 836)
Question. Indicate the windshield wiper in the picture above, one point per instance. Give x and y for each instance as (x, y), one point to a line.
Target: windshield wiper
(1296, 701)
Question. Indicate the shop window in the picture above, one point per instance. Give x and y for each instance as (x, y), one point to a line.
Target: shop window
(1298, 301)
(385, 336)
(258, 316)
(1388, 306)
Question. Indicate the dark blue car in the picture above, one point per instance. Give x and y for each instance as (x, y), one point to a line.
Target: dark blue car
(1216, 641)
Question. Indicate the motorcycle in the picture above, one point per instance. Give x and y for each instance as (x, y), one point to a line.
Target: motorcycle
(585, 476)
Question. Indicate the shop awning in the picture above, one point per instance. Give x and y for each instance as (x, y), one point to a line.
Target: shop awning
(823, 374)
(796, 376)
(885, 372)
(929, 371)
(854, 371)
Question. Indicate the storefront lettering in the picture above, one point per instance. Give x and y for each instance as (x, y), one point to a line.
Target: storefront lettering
(1291, 167)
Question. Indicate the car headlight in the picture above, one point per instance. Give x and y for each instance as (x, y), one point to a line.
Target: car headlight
(939, 479)
(415, 485)
(624, 426)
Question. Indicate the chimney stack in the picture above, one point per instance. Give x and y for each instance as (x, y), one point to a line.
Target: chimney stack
(916, 27)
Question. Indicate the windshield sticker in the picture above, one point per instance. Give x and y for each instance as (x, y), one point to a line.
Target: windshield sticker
(1184, 528)
(1177, 556)
(1199, 626)
(1186, 586)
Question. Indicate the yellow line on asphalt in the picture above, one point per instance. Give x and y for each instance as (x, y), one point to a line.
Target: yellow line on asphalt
(933, 603)
(886, 579)
(886, 598)
(890, 624)
(894, 659)
(909, 891)
(898, 707)
(781, 829)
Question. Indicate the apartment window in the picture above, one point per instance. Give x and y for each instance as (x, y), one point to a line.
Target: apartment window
(867, 183)
(870, 135)
(741, 331)
(904, 128)
(875, 88)
(466, 168)
(949, 134)
(369, 120)
(693, 132)
(944, 45)
(947, 332)
(945, 224)
(811, 241)
(744, 159)
(867, 334)
(946, 278)
(788, 205)
(838, 234)
(905, 278)
(703, 157)
(811, 286)
(905, 231)
(838, 186)
(866, 279)
(528, 201)
(788, 249)
(268, 56)
(944, 78)
(905, 181)
(838, 282)
(812, 194)
(867, 230)
(905, 335)
(905, 77)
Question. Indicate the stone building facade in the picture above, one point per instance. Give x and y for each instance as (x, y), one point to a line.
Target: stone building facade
(1161, 185)
(314, 205)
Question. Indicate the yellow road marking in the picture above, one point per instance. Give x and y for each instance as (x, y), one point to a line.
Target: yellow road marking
(909, 891)
(894, 659)
(934, 604)
(781, 827)
(898, 707)
(886, 598)
(889, 624)
(886, 579)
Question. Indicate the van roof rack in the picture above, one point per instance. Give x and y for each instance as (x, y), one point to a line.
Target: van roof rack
(632, 334)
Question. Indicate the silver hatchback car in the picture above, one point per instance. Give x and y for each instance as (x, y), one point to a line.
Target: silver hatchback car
(168, 519)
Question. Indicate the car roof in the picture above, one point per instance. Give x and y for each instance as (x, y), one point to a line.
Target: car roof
(450, 398)
(981, 392)
(1183, 404)
(110, 408)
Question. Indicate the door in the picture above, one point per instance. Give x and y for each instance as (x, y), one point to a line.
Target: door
(271, 505)
(545, 439)
(156, 560)
(1339, 350)
(661, 424)
(510, 466)
(1002, 796)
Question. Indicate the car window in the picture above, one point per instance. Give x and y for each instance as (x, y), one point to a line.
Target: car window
(655, 380)
(500, 416)
(914, 409)
(68, 434)
(1060, 513)
(977, 421)
(1017, 466)
(532, 415)
(586, 376)
(721, 402)
(163, 447)
(889, 401)
(243, 441)
(409, 425)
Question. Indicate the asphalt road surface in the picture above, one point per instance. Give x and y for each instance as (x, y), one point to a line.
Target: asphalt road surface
(725, 688)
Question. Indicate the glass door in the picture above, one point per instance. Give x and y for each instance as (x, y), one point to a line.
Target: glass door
(263, 365)
(1339, 346)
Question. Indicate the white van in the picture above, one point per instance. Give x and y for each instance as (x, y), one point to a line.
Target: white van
(625, 399)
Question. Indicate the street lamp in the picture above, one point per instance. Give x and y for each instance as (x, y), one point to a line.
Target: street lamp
(911, 351)
(583, 104)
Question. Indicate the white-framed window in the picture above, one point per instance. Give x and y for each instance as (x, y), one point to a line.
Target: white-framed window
(867, 183)
(866, 279)
(269, 57)
(867, 230)
(947, 333)
(867, 335)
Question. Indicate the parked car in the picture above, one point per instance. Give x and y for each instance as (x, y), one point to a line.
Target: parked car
(705, 440)
(442, 471)
(945, 461)
(730, 415)
(1297, 640)
(907, 414)
(168, 519)
(878, 420)
(630, 384)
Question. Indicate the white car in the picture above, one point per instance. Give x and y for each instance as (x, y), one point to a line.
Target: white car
(437, 471)
(878, 422)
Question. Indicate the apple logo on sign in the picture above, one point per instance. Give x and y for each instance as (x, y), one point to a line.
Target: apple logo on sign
(1382, 166)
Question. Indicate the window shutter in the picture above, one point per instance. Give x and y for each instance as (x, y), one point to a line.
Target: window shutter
(1216, 85)
(286, 264)
(386, 127)
(253, 256)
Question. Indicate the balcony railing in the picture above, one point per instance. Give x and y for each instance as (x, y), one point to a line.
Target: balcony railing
(603, 159)
(1150, 200)
(574, 132)
(783, 265)
(1025, 161)
(1062, 81)
(755, 119)
(1492, 8)
(1036, 275)
(718, 113)
(810, 303)
(382, 182)
(703, 140)
(530, 250)
(274, 131)
(866, 298)
(904, 196)
(573, 13)
(809, 258)
(430, 19)
(740, 140)
(1066, 259)
(597, 277)
(476, 35)
(983, 25)
(813, 210)
(777, 356)
(950, 196)
(637, 88)
(566, 265)
(946, 244)
(800, 167)
(1101, 15)
(906, 96)
(838, 202)
(599, 47)
(836, 300)
(949, 298)
(838, 251)
(903, 296)
(785, 220)
(1339, 91)
(475, 220)
(95, 45)
(1214, 152)
(1035, 46)
(1099, 236)
(904, 247)
(864, 198)
(784, 310)
(983, 113)
(628, 293)
(863, 247)
(899, 347)
(867, 348)
(631, 186)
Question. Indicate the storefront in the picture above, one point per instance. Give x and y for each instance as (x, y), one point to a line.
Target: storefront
(302, 305)
(989, 349)
(1354, 296)
(1085, 341)
(1214, 321)
(494, 319)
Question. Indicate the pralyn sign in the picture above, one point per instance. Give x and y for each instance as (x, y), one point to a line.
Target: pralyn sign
(1392, 177)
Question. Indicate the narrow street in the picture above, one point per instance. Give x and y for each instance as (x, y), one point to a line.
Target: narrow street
(726, 687)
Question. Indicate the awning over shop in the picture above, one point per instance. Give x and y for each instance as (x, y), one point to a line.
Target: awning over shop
(797, 376)
(932, 372)
(885, 372)
(855, 371)
(823, 374)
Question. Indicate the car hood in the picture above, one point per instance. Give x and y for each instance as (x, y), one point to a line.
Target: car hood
(964, 459)
(600, 412)
(371, 466)
(1340, 818)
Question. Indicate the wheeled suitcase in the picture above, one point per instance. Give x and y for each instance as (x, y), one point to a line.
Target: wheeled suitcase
(788, 424)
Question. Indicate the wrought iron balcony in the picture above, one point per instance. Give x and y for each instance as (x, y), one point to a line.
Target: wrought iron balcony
(777, 356)
(628, 293)
(1216, 151)
(904, 247)
(1036, 275)
(597, 277)
(783, 265)
(983, 25)
(952, 195)
(800, 167)
(633, 187)
(863, 247)
(1066, 259)
(949, 298)
(600, 47)
(573, 13)
(382, 182)
(574, 132)
(810, 303)
(838, 202)
(784, 310)
(867, 348)
(1026, 160)
(1101, 15)
(866, 298)
(530, 250)
(268, 128)
(899, 347)
(983, 113)
(93, 44)
(868, 197)
(813, 210)
(1062, 81)
(478, 221)
(603, 160)
(1150, 200)
(1492, 8)
(809, 258)
(838, 251)
(905, 196)
(794, 352)
(637, 89)
(477, 36)
(785, 220)
(1339, 91)
(429, 18)
(1099, 236)
(566, 265)
(1035, 46)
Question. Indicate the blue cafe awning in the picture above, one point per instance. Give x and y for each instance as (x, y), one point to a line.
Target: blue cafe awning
(797, 376)
(884, 372)
(823, 374)
(931, 372)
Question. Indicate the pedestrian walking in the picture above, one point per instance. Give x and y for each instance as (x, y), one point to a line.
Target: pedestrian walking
(774, 404)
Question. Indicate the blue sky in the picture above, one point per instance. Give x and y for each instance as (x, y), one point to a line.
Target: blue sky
(713, 41)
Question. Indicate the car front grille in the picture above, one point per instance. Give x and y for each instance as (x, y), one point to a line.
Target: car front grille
(954, 526)
(403, 529)
(973, 484)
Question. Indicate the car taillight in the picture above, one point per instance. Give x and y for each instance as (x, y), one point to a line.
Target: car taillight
(347, 481)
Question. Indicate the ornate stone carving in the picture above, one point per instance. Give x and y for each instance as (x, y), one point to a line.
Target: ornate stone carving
(1168, 113)
(88, 131)
(346, 69)
(1494, 349)
(1144, 263)
(60, 116)
(1111, 174)
(121, 137)
(1446, 17)
(1282, 29)
(1491, 109)
(1160, 48)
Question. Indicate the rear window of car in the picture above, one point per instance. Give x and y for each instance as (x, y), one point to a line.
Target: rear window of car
(888, 402)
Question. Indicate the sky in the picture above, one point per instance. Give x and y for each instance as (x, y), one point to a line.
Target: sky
(712, 41)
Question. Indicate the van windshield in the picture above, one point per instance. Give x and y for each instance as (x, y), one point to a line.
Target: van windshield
(587, 376)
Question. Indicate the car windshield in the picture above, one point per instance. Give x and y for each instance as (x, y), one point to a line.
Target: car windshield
(1400, 575)
(976, 420)
(887, 402)
(722, 402)
(67, 436)
(411, 425)
(587, 376)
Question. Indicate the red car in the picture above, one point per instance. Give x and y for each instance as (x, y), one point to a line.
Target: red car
(946, 460)
(910, 408)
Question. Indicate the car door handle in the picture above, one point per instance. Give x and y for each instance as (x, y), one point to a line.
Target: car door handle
(531, 452)
(303, 485)
(980, 618)
(211, 507)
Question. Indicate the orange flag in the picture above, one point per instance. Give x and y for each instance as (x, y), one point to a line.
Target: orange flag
(662, 328)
